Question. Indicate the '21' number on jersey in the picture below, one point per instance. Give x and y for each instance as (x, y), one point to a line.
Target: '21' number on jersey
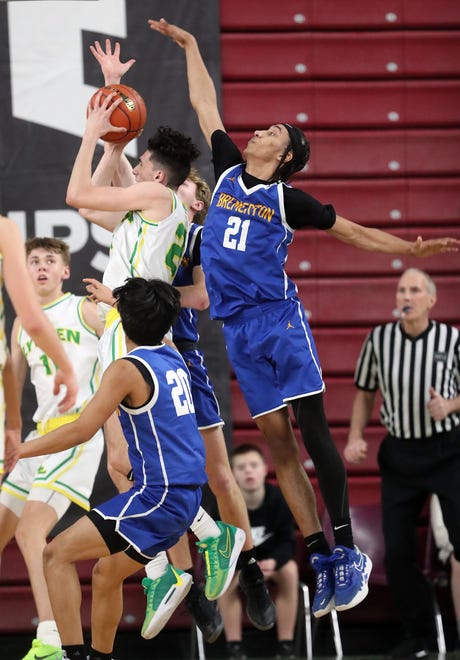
(180, 392)
(236, 233)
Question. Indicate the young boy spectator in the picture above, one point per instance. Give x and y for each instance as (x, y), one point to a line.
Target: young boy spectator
(273, 533)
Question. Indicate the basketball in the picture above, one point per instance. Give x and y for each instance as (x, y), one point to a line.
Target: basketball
(130, 114)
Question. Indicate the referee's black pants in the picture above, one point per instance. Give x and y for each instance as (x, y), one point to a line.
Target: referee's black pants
(411, 470)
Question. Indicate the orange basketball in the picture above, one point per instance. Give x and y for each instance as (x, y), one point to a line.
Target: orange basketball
(130, 114)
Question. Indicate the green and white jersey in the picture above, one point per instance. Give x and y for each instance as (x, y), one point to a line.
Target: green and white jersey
(80, 343)
(141, 248)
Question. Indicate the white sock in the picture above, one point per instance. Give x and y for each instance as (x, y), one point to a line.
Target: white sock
(204, 526)
(157, 566)
(47, 633)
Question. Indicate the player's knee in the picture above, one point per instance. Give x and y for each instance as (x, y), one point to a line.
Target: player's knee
(103, 576)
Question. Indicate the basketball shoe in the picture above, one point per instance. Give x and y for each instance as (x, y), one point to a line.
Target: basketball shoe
(41, 651)
(220, 555)
(323, 600)
(163, 596)
(351, 574)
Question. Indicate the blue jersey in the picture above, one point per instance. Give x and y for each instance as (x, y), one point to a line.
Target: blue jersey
(185, 328)
(244, 247)
(164, 444)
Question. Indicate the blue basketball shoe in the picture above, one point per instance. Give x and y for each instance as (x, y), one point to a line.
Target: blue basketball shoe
(351, 574)
(323, 600)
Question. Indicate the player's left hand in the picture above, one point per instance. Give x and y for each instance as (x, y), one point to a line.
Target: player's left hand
(432, 246)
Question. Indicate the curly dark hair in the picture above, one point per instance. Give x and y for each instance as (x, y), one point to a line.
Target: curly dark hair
(173, 152)
(148, 309)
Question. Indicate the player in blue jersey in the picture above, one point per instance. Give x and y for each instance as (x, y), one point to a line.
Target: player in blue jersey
(151, 389)
(189, 280)
(250, 224)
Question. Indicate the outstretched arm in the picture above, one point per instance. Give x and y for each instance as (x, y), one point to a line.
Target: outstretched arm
(118, 382)
(375, 240)
(34, 321)
(201, 87)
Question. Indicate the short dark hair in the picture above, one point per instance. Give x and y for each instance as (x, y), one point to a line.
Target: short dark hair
(245, 449)
(173, 152)
(51, 245)
(147, 308)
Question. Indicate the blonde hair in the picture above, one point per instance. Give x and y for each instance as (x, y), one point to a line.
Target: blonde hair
(203, 194)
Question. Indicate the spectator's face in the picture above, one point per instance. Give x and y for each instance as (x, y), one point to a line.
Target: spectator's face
(250, 471)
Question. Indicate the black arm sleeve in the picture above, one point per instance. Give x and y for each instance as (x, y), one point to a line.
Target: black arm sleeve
(303, 210)
(196, 253)
(225, 153)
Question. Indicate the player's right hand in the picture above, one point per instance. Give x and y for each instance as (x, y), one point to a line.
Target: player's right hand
(68, 379)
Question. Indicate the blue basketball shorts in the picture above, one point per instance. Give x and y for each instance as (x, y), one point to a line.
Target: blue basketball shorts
(148, 519)
(273, 355)
(206, 406)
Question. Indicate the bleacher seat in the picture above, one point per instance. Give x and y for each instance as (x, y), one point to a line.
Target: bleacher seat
(390, 202)
(374, 435)
(271, 15)
(351, 302)
(338, 400)
(339, 55)
(339, 348)
(315, 253)
(333, 105)
(389, 153)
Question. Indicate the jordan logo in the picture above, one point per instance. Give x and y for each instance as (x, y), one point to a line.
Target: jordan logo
(289, 325)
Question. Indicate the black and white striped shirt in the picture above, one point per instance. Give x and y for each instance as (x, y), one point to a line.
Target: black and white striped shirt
(404, 368)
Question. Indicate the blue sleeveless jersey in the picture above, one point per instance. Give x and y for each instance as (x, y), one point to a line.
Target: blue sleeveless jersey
(185, 327)
(164, 444)
(244, 246)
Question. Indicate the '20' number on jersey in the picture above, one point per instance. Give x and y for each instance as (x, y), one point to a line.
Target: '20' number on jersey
(236, 233)
(180, 392)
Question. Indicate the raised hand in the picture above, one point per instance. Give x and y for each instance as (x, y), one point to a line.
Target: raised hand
(112, 68)
(177, 34)
(98, 116)
(423, 248)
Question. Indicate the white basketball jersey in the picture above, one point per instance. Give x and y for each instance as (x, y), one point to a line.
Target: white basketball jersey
(141, 248)
(80, 343)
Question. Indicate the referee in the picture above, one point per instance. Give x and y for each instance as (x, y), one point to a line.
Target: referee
(415, 363)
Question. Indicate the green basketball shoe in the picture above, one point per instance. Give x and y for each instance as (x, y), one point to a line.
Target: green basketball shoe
(163, 596)
(220, 556)
(41, 651)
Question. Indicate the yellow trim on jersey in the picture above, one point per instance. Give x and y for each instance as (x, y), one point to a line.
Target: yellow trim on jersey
(55, 422)
(81, 318)
(63, 491)
(112, 317)
(14, 493)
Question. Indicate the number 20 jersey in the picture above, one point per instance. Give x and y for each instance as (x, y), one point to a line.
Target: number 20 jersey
(244, 245)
